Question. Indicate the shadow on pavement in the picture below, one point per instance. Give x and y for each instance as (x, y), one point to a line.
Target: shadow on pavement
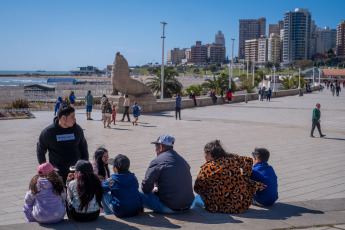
(278, 211)
(331, 138)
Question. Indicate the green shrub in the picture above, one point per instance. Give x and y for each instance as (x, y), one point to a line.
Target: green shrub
(20, 104)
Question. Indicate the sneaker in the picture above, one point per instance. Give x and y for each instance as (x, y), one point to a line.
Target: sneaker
(128, 121)
(311, 136)
(122, 120)
(90, 118)
(108, 126)
(136, 124)
(104, 127)
(322, 135)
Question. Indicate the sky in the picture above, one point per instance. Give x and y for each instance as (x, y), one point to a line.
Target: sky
(61, 35)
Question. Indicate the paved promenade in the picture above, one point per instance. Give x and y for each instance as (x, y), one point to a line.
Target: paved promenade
(311, 171)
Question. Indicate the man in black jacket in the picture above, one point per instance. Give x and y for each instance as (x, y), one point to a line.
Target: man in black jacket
(167, 187)
(64, 140)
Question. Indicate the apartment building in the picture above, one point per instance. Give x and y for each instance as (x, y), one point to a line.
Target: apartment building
(175, 56)
(251, 49)
(199, 53)
(249, 29)
(341, 40)
(274, 48)
(326, 39)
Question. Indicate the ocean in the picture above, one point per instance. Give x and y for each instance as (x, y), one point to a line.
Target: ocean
(15, 73)
(21, 81)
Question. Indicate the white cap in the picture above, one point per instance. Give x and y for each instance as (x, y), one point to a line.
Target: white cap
(165, 139)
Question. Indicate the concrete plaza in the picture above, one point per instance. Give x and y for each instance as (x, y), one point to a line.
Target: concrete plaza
(311, 172)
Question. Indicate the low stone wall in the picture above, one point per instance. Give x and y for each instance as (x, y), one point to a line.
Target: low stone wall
(206, 101)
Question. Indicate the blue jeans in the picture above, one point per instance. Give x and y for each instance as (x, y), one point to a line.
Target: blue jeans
(198, 202)
(107, 204)
(151, 201)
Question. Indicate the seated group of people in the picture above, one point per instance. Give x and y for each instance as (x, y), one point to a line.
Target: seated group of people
(227, 183)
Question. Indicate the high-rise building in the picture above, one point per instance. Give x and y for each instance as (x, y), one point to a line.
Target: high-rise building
(262, 49)
(341, 40)
(175, 56)
(251, 49)
(188, 54)
(250, 29)
(326, 39)
(216, 51)
(199, 53)
(297, 35)
(274, 47)
(219, 38)
(273, 29)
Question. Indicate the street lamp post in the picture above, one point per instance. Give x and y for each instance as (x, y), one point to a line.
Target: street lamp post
(253, 66)
(274, 78)
(299, 78)
(313, 76)
(319, 77)
(162, 66)
(247, 66)
(232, 60)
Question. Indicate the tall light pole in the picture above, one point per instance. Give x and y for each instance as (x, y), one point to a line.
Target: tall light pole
(313, 76)
(299, 78)
(247, 66)
(232, 59)
(253, 66)
(319, 77)
(274, 78)
(162, 66)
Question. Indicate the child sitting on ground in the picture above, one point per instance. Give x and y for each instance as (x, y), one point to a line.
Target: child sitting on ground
(84, 193)
(113, 115)
(124, 200)
(264, 173)
(100, 164)
(45, 201)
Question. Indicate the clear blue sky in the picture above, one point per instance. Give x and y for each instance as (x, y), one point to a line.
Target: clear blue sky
(65, 34)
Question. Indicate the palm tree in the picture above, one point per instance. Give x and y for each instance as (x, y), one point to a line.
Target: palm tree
(219, 83)
(171, 85)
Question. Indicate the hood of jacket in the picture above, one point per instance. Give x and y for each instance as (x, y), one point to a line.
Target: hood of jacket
(43, 184)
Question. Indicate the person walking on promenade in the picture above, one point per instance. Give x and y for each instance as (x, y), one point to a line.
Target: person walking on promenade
(167, 187)
(126, 108)
(89, 103)
(260, 94)
(316, 121)
(71, 99)
(213, 96)
(136, 113)
(64, 140)
(178, 106)
(192, 96)
(58, 105)
(102, 100)
(229, 95)
(333, 90)
(268, 95)
(338, 89)
(106, 112)
(343, 84)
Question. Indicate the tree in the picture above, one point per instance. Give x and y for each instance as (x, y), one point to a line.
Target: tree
(218, 83)
(171, 85)
(292, 82)
(268, 65)
(196, 70)
(213, 68)
(303, 64)
(196, 88)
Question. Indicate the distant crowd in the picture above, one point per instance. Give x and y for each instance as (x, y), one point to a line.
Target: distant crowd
(69, 183)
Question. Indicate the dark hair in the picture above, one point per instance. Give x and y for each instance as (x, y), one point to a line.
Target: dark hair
(53, 177)
(88, 186)
(126, 95)
(65, 110)
(261, 153)
(215, 148)
(122, 163)
(71, 93)
(103, 169)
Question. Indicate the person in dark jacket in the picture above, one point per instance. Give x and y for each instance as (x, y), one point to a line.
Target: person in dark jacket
(178, 106)
(268, 95)
(167, 187)
(64, 140)
(264, 173)
(316, 121)
(124, 200)
(58, 105)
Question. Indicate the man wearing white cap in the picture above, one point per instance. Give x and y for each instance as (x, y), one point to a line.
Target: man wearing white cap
(167, 187)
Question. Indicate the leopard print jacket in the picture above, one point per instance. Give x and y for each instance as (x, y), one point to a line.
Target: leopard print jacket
(225, 185)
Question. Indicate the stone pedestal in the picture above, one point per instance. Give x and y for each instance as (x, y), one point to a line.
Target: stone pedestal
(147, 103)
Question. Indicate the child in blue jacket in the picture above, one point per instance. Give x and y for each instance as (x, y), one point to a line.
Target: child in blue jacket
(264, 173)
(124, 199)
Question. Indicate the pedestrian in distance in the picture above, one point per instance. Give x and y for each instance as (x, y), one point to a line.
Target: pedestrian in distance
(193, 97)
(58, 105)
(316, 121)
(89, 103)
(337, 89)
(84, 193)
(106, 112)
(229, 95)
(268, 95)
(121, 190)
(126, 109)
(45, 200)
(136, 113)
(178, 106)
(64, 140)
(102, 100)
(260, 94)
(333, 90)
(71, 99)
(113, 114)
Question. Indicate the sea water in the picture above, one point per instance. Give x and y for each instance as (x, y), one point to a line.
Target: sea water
(21, 81)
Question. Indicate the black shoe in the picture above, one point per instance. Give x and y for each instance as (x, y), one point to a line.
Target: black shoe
(311, 136)
(322, 135)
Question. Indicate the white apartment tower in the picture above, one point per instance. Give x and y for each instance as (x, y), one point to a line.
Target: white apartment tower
(297, 35)
(274, 47)
(262, 49)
